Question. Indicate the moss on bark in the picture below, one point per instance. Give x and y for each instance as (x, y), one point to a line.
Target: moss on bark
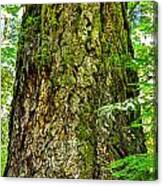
(71, 62)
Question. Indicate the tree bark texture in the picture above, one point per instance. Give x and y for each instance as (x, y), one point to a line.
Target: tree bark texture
(72, 61)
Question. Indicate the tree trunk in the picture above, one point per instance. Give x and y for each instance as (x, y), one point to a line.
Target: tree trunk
(71, 62)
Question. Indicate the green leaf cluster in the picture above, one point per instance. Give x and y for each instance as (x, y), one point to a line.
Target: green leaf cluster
(135, 167)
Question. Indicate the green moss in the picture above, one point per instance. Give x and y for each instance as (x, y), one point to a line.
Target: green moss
(87, 153)
(84, 132)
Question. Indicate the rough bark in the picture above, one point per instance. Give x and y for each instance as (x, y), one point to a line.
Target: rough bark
(71, 61)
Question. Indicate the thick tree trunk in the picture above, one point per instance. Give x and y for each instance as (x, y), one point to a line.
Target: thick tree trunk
(71, 61)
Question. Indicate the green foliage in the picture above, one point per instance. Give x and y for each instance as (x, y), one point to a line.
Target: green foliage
(127, 105)
(10, 22)
(142, 16)
(12, 9)
(4, 142)
(134, 167)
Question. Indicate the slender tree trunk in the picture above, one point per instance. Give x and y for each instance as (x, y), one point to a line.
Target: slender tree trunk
(71, 62)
